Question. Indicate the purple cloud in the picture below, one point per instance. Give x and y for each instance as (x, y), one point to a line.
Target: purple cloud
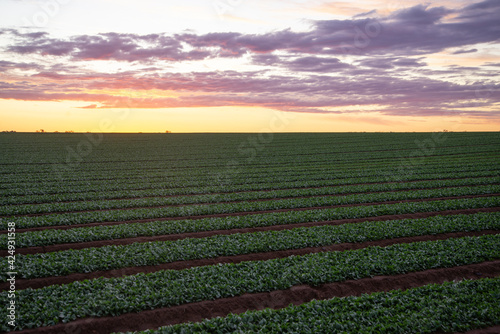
(420, 15)
(464, 51)
(391, 62)
(301, 64)
(413, 31)
(303, 71)
(9, 65)
(313, 93)
(316, 64)
(109, 46)
(90, 106)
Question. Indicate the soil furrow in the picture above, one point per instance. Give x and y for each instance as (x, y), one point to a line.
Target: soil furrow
(487, 330)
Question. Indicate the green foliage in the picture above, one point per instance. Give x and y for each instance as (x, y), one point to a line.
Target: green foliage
(113, 296)
(194, 174)
(152, 165)
(449, 307)
(130, 188)
(246, 196)
(195, 210)
(153, 253)
(104, 232)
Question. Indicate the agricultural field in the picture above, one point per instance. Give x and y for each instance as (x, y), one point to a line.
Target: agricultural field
(271, 233)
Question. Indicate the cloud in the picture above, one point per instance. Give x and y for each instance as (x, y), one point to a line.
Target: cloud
(313, 93)
(109, 46)
(412, 31)
(420, 15)
(370, 13)
(90, 106)
(266, 59)
(391, 62)
(316, 64)
(336, 66)
(487, 8)
(9, 65)
(464, 51)
(301, 64)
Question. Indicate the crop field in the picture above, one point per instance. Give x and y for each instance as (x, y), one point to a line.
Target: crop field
(243, 233)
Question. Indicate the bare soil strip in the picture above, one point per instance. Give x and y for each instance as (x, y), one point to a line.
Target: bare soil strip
(488, 330)
(276, 299)
(245, 213)
(36, 283)
(205, 234)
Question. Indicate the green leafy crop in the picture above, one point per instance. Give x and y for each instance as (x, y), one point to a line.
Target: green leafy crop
(449, 307)
(113, 296)
(153, 253)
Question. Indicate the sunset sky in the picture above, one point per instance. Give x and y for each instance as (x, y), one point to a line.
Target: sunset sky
(249, 66)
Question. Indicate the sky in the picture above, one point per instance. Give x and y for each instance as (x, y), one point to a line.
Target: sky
(249, 66)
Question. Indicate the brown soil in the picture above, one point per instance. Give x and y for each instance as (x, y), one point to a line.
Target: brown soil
(205, 234)
(275, 299)
(36, 283)
(245, 213)
(488, 330)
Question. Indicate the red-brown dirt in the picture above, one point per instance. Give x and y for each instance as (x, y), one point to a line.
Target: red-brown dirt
(488, 330)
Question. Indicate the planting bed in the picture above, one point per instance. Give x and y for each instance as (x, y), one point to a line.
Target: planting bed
(184, 233)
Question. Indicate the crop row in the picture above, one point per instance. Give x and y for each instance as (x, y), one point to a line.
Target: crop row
(83, 177)
(237, 177)
(128, 174)
(255, 220)
(220, 208)
(94, 194)
(167, 153)
(470, 304)
(114, 296)
(310, 154)
(154, 253)
(242, 172)
(245, 196)
(131, 230)
(133, 175)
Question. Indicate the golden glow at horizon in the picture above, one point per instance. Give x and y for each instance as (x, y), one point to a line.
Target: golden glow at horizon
(64, 116)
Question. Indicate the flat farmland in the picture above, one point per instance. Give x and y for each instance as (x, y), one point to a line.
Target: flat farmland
(271, 233)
